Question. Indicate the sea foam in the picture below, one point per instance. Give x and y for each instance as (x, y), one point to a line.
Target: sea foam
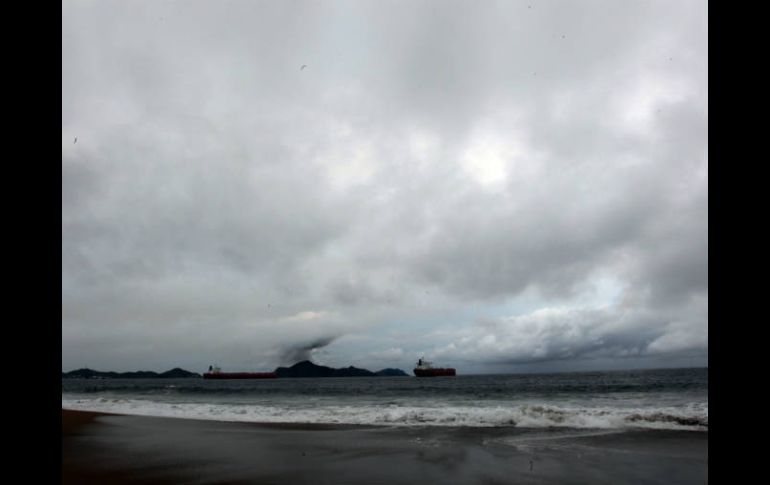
(690, 417)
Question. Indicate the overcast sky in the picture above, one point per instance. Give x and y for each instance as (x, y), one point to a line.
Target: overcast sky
(499, 186)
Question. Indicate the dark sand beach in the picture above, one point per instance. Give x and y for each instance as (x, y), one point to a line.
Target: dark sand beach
(108, 448)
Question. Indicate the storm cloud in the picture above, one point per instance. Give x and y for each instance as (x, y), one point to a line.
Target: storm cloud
(304, 352)
(481, 183)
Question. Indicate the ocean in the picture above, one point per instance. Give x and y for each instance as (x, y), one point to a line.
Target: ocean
(672, 399)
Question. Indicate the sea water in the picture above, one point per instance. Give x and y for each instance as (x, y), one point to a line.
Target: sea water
(658, 399)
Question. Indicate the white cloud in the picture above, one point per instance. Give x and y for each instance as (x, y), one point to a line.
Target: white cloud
(416, 174)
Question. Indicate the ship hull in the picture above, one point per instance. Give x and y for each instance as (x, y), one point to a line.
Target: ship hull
(434, 372)
(240, 375)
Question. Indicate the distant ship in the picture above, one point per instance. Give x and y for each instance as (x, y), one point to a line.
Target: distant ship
(216, 373)
(426, 369)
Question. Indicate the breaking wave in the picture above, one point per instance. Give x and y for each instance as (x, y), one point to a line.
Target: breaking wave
(692, 417)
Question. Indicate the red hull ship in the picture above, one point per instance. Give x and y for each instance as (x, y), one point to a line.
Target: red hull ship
(215, 373)
(240, 375)
(426, 369)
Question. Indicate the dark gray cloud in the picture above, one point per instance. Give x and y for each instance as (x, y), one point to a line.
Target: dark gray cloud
(486, 184)
(299, 353)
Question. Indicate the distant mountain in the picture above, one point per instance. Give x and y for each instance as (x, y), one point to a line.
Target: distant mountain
(391, 373)
(300, 369)
(175, 373)
(309, 369)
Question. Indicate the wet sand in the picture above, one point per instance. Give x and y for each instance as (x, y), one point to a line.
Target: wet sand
(102, 448)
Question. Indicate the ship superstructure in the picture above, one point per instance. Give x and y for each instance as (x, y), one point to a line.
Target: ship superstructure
(216, 373)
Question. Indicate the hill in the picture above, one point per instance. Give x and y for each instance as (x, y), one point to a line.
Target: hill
(309, 369)
(175, 373)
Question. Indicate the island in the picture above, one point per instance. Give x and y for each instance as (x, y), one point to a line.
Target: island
(309, 369)
(300, 369)
(175, 373)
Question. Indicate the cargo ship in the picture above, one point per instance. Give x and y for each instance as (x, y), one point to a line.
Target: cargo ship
(426, 369)
(216, 373)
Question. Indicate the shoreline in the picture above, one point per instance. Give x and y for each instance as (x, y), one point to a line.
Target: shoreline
(116, 448)
(89, 415)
